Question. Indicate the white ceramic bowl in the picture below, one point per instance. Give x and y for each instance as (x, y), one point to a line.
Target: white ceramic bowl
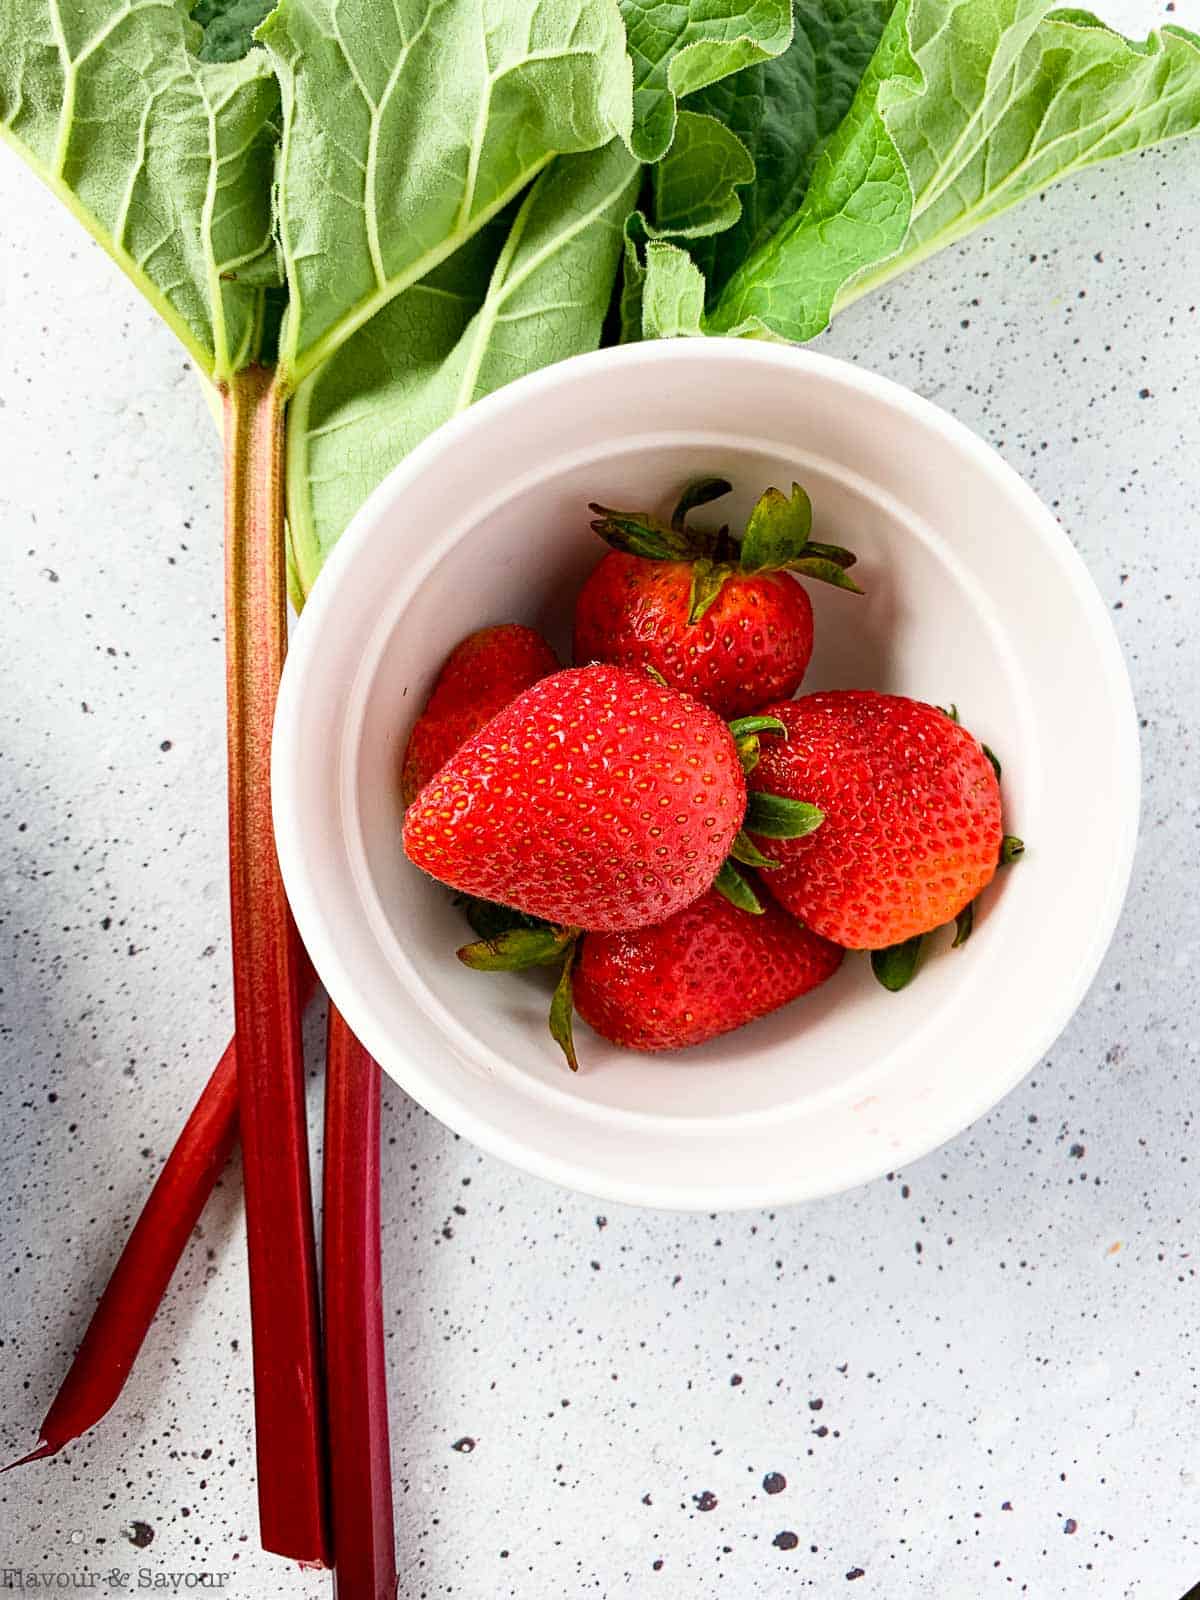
(974, 595)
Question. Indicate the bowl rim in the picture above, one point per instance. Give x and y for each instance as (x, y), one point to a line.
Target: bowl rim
(430, 1089)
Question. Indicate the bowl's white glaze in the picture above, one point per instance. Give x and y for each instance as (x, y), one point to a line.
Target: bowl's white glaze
(975, 595)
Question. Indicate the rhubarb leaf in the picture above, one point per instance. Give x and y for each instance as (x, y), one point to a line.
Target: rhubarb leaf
(783, 111)
(671, 293)
(959, 116)
(229, 27)
(408, 127)
(166, 160)
(678, 49)
(453, 337)
(696, 183)
(631, 304)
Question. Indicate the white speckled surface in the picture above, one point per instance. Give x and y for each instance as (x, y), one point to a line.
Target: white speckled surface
(978, 1377)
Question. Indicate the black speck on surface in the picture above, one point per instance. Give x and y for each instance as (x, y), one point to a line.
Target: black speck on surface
(774, 1483)
(1070, 1525)
(786, 1540)
(464, 1446)
(140, 1534)
(855, 1572)
(706, 1500)
(815, 1405)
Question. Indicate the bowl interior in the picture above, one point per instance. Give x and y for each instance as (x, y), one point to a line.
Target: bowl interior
(971, 594)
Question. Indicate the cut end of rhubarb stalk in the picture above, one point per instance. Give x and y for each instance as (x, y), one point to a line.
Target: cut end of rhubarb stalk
(44, 1449)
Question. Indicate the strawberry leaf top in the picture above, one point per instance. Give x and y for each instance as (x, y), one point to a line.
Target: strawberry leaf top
(637, 533)
(518, 948)
(699, 493)
(777, 530)
(896, 966)
(776, 539)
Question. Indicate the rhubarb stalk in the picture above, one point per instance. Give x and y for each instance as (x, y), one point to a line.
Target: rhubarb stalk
(109, 1347)
(288, 1408)
(363, 1523)
(139, 1280)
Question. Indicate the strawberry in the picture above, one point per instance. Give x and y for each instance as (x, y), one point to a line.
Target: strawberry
(479, 677)
(599, 798)
(704, 971)
(725, 621)
(912, 827)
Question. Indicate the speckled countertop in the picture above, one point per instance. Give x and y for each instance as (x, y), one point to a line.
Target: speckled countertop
(976, 1377)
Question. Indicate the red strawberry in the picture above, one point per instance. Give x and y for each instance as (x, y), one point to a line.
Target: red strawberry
(704, 971)
(479, 677)
(597, 799)
(912, 816)
(726, 622)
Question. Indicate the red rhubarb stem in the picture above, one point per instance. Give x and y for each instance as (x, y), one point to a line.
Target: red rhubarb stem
(139, 1280)
(288, 1407)
(134, 1292)
(361, 1473)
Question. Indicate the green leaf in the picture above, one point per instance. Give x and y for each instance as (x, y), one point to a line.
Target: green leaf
(757, 723)
(229, 27)
(562, 1009)
(995, 761)
(964, 922)
(529, 289)
(641, 533)
(749, 752)
(695, 184)
(950, 127)
(730, 883)
(745, 850)
(708, 579)
(678, 49)
(517, 949)
(637, 533)
(774, 817)
(783, 111)
(407, 127)
(671, 295)
(489, 920)
(700, 493)
(896, 966)
(631, 305)
(831, 552)
(167, 161)
(777, 531)
(824, 571)
(855, 210)
(1011, 849)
